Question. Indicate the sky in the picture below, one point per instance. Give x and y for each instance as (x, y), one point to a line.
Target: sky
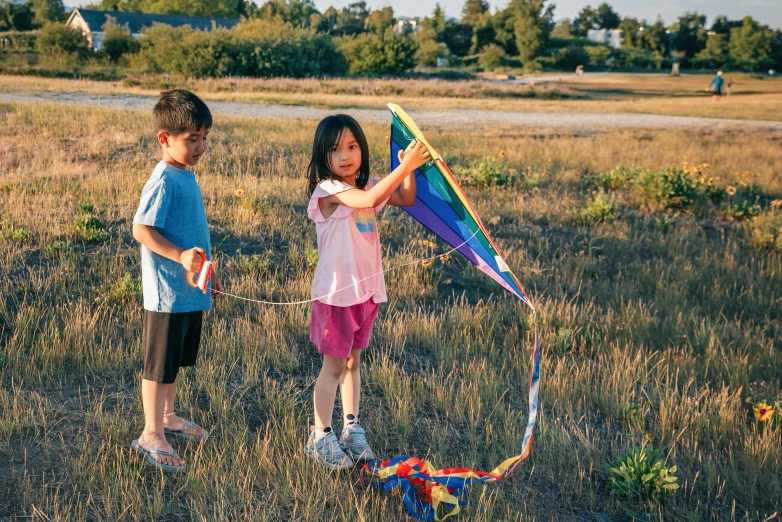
(768, 12)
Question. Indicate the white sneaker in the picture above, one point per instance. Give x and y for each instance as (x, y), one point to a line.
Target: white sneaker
(354, 442)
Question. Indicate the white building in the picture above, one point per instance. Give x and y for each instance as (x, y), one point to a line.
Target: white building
(406, 26)
(610, 37)
(90, 22)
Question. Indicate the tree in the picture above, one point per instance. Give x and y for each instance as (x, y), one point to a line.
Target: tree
(751, 45)
(17, 17)
(598, 54)
(436, 21)
(532, 27)
(380, 19)
(298, 13)
(117, 40)
(632, 33)
(384, 53)
(429, 49)
(690, 34)
(491, 57)
(214, 8)
(715, 53)
(57, 39)
(482, 33)
(562, 29)
(132, 6)
(458, 38)
(584, 21)
(472, 11)
(722, 25)
(351, 19)
(48, 11)
(656, 38)
(606, 17)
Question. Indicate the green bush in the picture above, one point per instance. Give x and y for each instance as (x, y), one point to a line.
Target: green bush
(673, 188)
(259, 48)
(490, 172)
(766, 232)
(20, 40)
(55, 249)
(90, 229)
(117, 41)
(601, 209)
(385, 53)
(491, 57)
(125, 290)
(19, 235)
(641, 474)
(57, 40)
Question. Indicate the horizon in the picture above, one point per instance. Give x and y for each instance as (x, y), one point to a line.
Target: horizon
(761, 10)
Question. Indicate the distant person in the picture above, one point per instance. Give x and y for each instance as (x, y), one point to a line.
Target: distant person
(579, 70)
(716, 87)
(728, 85)
(348, 284)
(171, 226)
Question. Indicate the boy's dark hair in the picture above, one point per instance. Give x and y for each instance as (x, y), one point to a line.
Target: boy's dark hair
(178, 111)
(326, 137)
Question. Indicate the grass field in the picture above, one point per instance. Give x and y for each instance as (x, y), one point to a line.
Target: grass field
(657, 318)
(759, 99)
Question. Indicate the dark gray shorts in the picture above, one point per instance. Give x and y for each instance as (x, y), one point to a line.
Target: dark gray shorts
(171, 342)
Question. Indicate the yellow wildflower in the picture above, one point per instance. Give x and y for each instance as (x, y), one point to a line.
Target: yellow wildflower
(429, 244)
(388, 139)
(710, 182)
(776, 203)
(763, 412)
(426, 262)
(648, 436)
(239, 193)
(502, 153)
(730, 190)
(445, 257)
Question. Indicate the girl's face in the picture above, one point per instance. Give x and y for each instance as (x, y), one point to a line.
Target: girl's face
(345, 157)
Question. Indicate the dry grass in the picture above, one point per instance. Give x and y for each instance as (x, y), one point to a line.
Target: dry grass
(652, 94)
(683, 323)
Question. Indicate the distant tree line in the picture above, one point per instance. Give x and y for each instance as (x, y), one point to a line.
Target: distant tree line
(293, 38)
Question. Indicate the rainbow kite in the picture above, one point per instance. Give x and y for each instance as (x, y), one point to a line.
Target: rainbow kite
(442, 207)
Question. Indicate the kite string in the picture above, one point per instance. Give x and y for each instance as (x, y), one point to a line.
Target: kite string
(290, 303)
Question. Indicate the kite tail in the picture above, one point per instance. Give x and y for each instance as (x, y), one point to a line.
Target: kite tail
(425, 488)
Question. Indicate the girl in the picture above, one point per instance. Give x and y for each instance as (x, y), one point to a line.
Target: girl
(348, 282)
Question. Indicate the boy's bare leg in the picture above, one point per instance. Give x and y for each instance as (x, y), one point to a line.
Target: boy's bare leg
(171, 421)
(325, 392)
(351, 384)
(153, 397)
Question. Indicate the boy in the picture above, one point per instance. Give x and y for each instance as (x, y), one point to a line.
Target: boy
(171, 226)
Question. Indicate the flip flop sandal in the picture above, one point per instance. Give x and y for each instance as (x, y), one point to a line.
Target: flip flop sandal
(180, 432)
(148, 454)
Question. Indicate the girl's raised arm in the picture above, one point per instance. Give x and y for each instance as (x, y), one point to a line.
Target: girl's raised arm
(414, 156)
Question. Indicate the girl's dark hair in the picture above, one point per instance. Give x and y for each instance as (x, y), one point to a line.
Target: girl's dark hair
(326, 137)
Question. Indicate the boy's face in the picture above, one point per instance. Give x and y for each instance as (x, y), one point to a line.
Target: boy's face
(183, 150)
(345, 157)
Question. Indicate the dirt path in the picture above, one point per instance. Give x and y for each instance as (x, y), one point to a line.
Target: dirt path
(571, 120)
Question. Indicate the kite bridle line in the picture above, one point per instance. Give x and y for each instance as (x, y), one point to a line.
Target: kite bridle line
(307, 301)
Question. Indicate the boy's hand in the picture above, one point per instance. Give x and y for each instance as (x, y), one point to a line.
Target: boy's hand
(415, 155)
(217, 286)
(191, 260)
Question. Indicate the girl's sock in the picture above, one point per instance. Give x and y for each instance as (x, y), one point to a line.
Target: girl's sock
(350, 419)
(319, 434)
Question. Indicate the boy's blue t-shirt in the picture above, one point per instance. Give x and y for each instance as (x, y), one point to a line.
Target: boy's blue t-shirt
(172, 203)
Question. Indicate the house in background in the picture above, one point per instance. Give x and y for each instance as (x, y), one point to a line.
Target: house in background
(406, 25)
(610, 37)
(90, 22)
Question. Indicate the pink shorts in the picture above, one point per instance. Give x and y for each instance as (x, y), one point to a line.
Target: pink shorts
(336, 330)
